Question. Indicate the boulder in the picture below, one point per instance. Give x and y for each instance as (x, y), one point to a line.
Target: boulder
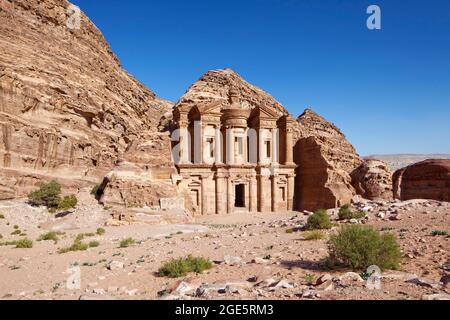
(429, 179)
(115, 265)
(373, 180)
(325, 161)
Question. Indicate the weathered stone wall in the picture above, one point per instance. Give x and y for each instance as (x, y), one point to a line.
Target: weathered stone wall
(325, 161)
(373, 180)
(428, 179)
(68, 111)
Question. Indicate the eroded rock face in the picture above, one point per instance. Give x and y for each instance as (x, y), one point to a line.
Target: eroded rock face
(326, 160)
(373, 180)
(68, 111)
(429, 179)
(143, 176)
(214, 87)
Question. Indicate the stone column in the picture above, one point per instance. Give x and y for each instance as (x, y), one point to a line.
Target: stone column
(260, 146)
(230, 146)
(230, 196)
(218, 146)
(198, 142)
(289, 147)
(274, 146)
(245, 146)
(220, 195)
(184, 145)
(290, 192)
(264, 195)
(204, 209)
(253, 194)
(274, 192)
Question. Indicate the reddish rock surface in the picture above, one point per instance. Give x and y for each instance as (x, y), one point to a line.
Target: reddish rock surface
(214, 87)
(326, 160)
(143, 175)
(373, 180)
(429, 179)
(68, 111)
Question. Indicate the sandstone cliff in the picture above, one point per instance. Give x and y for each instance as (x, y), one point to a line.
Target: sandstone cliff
(325, 161)
(429, 179)
(373, 180)
(68, 111)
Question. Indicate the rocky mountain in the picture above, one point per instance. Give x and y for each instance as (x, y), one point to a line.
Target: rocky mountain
(429, 179)
(214, 86)
(326, 160)
(68, 110)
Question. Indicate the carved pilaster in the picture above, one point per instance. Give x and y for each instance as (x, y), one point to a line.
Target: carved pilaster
(274, 192)
(290, 191)
(205, 207)
(221, 193)
(253, 194)
(230, 195)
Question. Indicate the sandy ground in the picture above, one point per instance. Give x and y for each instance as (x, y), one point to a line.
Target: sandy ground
(255, 258)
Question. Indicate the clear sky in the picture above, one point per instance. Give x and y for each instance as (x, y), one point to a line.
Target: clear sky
(388, 90)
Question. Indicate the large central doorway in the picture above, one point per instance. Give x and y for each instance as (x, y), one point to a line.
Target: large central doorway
(239, 201)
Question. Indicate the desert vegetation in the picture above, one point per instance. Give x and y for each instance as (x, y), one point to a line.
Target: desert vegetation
(49, 195)
(346, 213)
(319, 220)
(359, 247)
(180, 267)
(125, 243)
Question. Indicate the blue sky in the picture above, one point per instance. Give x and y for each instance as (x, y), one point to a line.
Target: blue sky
(388, 90)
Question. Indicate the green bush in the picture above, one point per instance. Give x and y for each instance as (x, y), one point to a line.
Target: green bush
(101, 231)
(68, 202)
(16, 232)
(310, 278)
(94, 244)
(79, 237)
(359, 247)
(319, 220)
(24, 243)
(180, 267)
(346, 213)
(76, 246)
(436, 233)
(314, 235)
(2, 216)
(125, 243)
(48, 195)
(52, 235)
(94, 190)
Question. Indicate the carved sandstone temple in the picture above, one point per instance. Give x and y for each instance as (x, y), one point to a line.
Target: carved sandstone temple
(235, 156)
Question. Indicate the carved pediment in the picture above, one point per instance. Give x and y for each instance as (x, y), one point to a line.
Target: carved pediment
(263, 116)
(213, 108)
